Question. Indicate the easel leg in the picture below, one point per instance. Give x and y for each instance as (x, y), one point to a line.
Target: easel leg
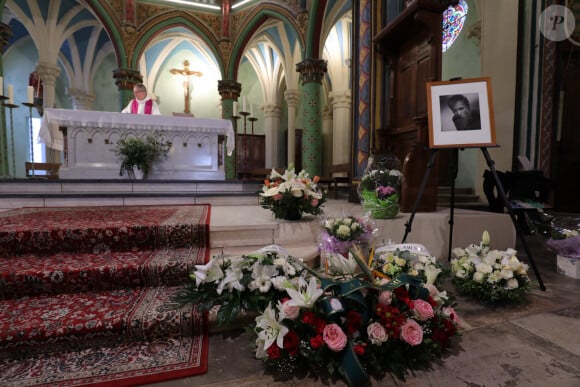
(454, 170)
(500, 190)
(419, 195)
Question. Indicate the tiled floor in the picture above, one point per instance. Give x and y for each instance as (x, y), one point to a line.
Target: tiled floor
(535, 344)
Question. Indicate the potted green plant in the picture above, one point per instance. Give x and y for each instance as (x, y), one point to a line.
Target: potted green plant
(141, 153)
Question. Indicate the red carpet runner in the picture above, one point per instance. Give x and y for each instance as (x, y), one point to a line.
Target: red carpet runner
(86, 295)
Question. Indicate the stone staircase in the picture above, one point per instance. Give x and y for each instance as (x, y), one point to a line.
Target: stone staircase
(464, 198)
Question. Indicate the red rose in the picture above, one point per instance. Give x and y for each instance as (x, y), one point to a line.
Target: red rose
(319, 324)
(359, 350)
(308, 318)
(316, 341)
(273, 352)
(291, 343)
(353, 321)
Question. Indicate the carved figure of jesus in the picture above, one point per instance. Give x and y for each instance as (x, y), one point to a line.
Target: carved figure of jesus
(185, 72)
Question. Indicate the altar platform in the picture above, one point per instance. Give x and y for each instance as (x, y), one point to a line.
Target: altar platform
(239, 224)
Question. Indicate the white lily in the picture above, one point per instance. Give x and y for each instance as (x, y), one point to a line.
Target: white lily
(270, 329)
(306, 295)
(209, 272)
(431, 272)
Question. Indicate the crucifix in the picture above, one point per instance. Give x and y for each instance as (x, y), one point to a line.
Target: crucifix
(185, 72)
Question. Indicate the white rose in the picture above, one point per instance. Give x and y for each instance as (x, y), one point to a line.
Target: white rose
(484, 268)
(512, 283)
(506, 273)
(343, 231)
(461, 273)
(478, 276)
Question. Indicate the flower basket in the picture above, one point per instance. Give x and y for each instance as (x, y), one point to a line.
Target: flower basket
(490, 276)
(386, 208)
(355, 328)
(290, 195)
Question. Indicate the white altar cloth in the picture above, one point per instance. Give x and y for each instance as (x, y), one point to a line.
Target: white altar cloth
(52, 119)
(196, 154)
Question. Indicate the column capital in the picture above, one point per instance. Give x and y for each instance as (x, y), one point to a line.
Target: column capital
(81, 100)
(5, 35)
(48, 73)
(229, 89)
(341, 99)
(312, 70)
(292, 97)
(125, 79)
(271, 110)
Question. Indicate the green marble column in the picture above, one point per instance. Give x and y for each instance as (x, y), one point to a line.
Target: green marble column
(311, 74)
(230, 91)
(5, 34)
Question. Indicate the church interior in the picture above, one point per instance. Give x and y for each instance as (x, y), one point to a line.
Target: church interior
(330, 87)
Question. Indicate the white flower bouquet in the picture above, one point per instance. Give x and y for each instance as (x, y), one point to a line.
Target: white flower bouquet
(489, 275)
(246, 283)
(338, 235)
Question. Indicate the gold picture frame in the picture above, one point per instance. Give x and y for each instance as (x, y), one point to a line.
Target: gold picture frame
(461, 114)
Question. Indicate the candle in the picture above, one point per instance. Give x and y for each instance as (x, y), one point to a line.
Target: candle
(235, 109)
(10, 94)
(30, 94)
(244, 104)
(251, 110)
(1, 86)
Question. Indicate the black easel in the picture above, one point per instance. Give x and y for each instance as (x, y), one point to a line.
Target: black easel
(507, 204)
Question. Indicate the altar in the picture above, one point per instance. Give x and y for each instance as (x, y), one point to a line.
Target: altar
(87, 139)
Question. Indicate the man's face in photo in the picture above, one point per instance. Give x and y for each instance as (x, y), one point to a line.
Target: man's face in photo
(460, 115)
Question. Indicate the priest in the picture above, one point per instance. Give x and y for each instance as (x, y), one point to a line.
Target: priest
(142, 103)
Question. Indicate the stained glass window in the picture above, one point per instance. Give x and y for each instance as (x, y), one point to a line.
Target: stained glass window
(453, 19)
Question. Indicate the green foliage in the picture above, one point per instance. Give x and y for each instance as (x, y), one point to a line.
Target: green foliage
(141, 153)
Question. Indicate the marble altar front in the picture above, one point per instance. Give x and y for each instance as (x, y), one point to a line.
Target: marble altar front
(87, 139)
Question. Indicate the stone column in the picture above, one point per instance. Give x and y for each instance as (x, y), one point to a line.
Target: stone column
(341, 105)
(326, 139)
(311, 72)
(80, 99)
(230, 91)
(125, 79)
(48, 74)
(271, 130)
(292, 97)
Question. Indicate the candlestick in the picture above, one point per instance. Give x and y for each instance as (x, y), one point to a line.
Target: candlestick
(10, 95)
(11, 106)
(31, 142)
(30, 94)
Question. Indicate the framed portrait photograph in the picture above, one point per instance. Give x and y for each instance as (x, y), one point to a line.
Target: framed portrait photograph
(460, 114)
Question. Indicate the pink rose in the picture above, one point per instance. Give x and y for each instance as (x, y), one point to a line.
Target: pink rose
(385, 297)
(411, 332)
(377, 333)
(334, 337)
(290, 311)
(314, 202)
(277, 196)
(423, 310)
(433, 291)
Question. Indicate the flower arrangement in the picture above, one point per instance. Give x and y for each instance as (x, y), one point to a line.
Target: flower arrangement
(246, 283)
(489, 275)
(413, 259)
(289, 195)
(565, 237)
(379, 191)
(140, 153)
(355, 328)
(338, 235)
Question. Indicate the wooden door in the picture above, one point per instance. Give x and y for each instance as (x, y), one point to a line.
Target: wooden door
(566, 155)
